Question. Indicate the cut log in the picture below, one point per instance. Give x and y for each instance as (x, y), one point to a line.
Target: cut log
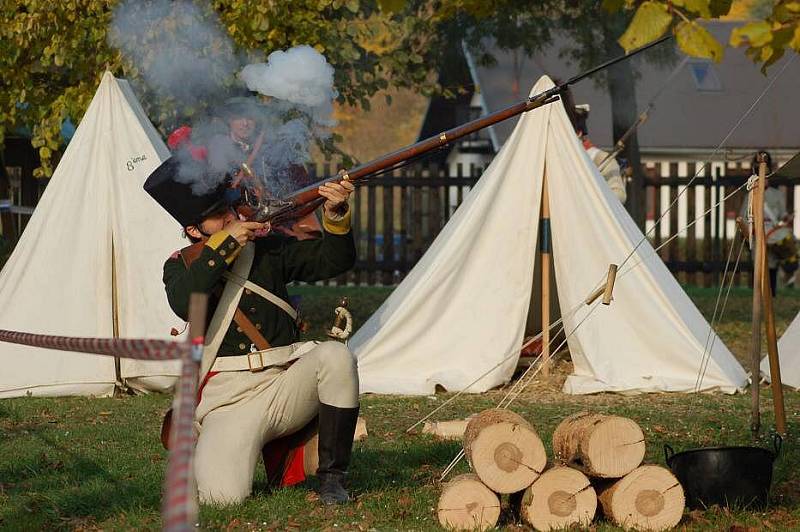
(361, 430)
(504, 450)
(467, 504)
(446, 430)
(560, 498)
(599, 445)
(647, 498)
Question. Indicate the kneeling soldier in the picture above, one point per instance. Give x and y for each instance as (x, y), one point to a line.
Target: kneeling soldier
(260, 383)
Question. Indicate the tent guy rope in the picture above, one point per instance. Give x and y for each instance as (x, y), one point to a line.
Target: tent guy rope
(713, 337)
(503, 361)
(680, 230)
(714, 152)
(505, 402)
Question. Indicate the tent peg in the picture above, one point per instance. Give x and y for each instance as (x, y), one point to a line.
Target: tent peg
(605, 290)
(610, 280)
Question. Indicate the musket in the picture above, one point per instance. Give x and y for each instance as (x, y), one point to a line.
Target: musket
(306, 200)
(641, 119)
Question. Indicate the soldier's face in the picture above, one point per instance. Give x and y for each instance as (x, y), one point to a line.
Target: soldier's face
(211, 225)
(242, 127)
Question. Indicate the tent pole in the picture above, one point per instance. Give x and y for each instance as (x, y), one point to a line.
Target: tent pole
(119, 384)
(545, 248)
(757, 203)
(772, 337)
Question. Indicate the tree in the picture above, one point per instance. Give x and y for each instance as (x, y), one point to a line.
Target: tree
(46, 74)
(520, 25)
(52, 54)
(766, 39)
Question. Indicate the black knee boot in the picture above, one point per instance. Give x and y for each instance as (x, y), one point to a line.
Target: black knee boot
(336, 429)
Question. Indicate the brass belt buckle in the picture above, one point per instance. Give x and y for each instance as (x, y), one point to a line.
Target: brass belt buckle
(255, 369)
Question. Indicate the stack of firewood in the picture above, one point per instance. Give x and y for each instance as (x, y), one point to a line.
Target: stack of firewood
(597, 458)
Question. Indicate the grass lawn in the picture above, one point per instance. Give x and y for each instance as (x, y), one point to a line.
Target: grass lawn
(90, 464)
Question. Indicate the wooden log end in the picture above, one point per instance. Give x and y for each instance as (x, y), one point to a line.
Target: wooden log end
(504, 450)
(560, 498)
(446, 430)
(467, 504)
(599, 445)
(647, 498)
(616, 447)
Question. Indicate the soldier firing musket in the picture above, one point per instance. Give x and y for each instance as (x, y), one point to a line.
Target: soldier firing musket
(261, 389)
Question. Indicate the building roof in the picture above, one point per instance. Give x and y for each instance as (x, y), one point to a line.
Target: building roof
(696, 110)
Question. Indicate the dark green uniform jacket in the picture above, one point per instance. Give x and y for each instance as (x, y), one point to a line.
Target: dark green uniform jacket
(278, 260)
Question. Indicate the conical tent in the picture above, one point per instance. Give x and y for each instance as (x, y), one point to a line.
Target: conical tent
(461, 312)
(90, 260)
(788, 349)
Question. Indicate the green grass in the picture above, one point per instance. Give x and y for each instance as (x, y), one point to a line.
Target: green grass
(90, 464)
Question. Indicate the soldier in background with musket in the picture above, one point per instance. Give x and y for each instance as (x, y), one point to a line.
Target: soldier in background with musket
(258, 383)
(608, 166)
(242, 151)
(782, 250)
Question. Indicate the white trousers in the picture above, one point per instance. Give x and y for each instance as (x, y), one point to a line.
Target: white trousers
(240, 411)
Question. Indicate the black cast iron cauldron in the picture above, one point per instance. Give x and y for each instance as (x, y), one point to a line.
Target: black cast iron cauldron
(729, 476)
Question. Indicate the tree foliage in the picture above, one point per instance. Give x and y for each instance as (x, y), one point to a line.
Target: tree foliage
(765, 39)
(53, 54)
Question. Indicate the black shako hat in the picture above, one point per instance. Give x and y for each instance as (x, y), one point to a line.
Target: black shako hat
(238, 107)
(177, 198)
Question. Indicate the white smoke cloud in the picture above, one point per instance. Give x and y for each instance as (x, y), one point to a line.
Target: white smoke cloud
(181, 50)
(300, 75)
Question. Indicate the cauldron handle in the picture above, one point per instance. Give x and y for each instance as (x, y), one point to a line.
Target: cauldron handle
(668, 453)
(777, 443)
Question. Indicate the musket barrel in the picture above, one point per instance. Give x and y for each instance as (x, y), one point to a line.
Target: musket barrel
(310, 193)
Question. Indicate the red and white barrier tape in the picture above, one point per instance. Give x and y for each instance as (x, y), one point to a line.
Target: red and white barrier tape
(119, 347)
(179, 507)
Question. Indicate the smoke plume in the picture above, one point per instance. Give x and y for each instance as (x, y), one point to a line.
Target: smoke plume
(183, 53)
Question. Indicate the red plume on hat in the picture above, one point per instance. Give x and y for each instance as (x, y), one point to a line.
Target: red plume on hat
(181, 138)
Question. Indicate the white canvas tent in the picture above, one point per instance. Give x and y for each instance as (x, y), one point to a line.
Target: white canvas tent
(789, 356)
(462, 310)
(90, 260)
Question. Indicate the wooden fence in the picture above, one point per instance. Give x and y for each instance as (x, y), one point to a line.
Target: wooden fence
(694, 238)
(398, 215)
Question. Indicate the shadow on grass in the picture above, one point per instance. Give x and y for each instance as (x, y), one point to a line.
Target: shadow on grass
(58, 485)
(403, 464)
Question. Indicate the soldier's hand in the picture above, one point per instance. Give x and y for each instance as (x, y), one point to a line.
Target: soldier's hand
(336, 196)
(243, 231)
